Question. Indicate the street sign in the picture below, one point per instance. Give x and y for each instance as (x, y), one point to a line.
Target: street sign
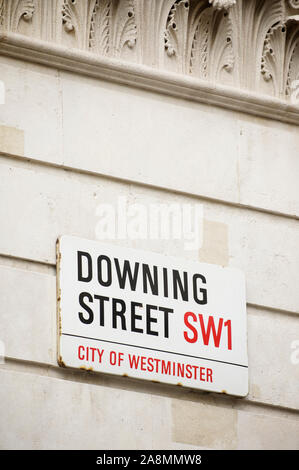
(149, 316)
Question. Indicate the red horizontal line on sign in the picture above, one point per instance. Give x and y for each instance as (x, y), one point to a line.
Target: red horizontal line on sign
(152, 349)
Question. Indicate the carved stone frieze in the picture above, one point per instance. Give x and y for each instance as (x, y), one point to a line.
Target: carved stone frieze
(247, 44)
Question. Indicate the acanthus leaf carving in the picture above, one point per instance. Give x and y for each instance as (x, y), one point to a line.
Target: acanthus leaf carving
(273, 52)
(176, 34)
(67, 16)
(280, 62)
(124, 26)
(212, 47)
(27, 10)
(103, 26)
(12, 11)
(292, 56)
(100, 27)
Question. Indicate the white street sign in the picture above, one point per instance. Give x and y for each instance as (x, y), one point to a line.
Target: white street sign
(141, 314)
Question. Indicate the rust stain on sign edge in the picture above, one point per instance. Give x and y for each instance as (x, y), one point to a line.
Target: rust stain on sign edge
(60, 362)
(58, 303)
(87, 369)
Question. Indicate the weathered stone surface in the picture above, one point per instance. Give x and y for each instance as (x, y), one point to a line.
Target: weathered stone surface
(58, 203)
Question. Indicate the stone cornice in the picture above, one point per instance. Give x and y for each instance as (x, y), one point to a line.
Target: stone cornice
(241, 55)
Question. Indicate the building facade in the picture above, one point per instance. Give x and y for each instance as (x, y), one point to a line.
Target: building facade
(128, 104)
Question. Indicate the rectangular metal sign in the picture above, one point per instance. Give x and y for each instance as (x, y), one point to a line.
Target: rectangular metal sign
(144, 315)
